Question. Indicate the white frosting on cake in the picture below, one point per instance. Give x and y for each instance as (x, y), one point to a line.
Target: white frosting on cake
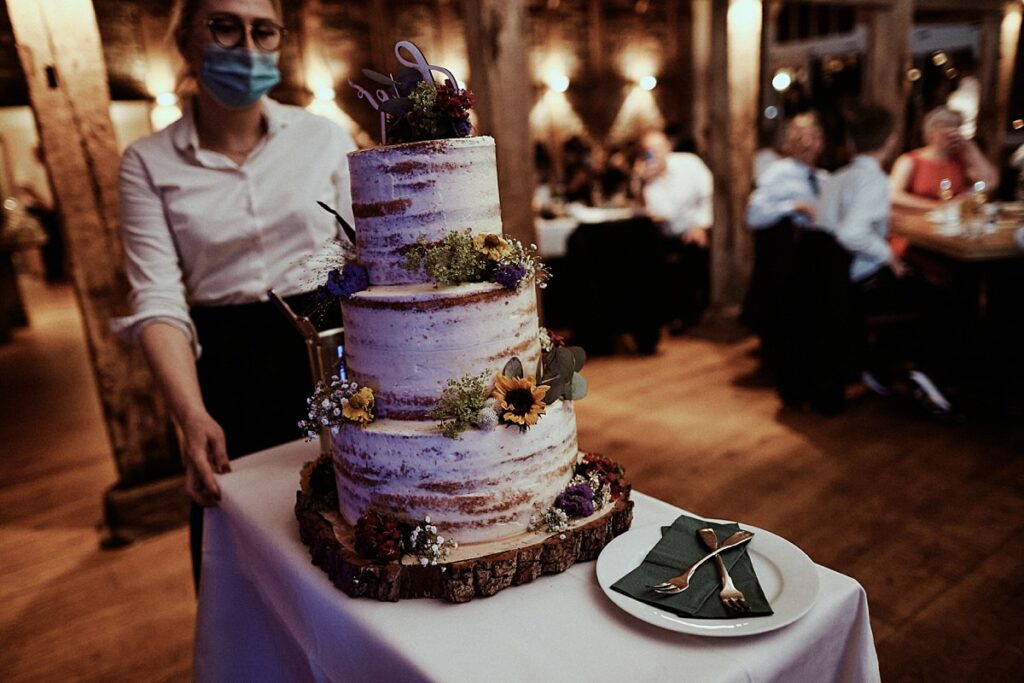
(406, 338)
(481, 487)
(427, 189)
(407, 341)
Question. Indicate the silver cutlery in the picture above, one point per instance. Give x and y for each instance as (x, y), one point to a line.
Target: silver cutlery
(677, 584)
(731, 597)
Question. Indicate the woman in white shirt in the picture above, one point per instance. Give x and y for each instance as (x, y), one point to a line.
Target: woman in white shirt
(216, 209)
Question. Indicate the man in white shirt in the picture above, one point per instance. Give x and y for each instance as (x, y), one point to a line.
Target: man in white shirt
(678, 190)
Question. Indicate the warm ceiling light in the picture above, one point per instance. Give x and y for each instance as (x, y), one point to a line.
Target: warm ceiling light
(648, 82)
(939, 58)
(782, 80)
(1018, 123)
(913, 74)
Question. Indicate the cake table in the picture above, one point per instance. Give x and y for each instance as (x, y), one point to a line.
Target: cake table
(267, 614)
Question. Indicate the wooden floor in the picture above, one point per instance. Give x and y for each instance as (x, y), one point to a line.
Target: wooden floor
(929, 518)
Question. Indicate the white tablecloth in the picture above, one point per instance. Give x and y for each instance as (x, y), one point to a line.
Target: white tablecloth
(267, 614)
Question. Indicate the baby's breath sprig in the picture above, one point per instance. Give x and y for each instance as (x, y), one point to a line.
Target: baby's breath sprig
(427, 544)
(336, 402)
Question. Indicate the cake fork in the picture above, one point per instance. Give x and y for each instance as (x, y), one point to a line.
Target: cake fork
(677, 584)
(731, 597)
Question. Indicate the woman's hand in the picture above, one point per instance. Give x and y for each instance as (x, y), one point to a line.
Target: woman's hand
(204, 455)
(169, 352)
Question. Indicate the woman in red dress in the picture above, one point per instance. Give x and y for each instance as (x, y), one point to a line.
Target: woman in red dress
(948, 165)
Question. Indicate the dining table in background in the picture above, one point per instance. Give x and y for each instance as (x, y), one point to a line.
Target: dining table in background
(923, 231)
(982, 272)
(267, 614)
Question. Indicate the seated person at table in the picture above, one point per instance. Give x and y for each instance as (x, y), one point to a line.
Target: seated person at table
(677, 192)
(854, 208)
(948, 165)
(785, 198)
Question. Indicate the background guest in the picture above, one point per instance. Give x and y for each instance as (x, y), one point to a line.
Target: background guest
(677, 189)
(218, 208)
(854, 208)
(785, 200)
(947, 165)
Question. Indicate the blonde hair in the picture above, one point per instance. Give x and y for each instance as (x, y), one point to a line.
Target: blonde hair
(941, 116)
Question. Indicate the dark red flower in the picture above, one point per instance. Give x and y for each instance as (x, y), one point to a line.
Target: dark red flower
(608, 472)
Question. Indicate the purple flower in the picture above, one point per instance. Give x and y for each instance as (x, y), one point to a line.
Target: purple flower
(354, 278)
(463, 127)
(509, 275)
(576, 501)
(350, 279)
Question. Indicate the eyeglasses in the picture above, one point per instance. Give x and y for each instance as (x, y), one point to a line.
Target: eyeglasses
(228, 31)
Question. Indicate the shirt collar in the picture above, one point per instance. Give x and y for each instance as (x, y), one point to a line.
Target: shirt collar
(864, 161)
(186, 137)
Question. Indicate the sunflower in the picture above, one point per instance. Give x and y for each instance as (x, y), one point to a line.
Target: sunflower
(359, 407)
(493, 246)
(520, 401)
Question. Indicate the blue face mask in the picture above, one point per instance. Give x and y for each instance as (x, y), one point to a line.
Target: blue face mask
(238, 77)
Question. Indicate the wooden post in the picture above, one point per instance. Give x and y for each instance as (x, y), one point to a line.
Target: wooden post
(701, 24)
(999, 36)
(733, 44)
(496, 43)
(58, 43)
(888, 58)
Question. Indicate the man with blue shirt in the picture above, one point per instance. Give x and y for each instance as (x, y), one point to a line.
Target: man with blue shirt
(784, 201)
(855, 207)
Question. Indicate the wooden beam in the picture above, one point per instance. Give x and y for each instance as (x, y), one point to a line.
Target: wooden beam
(496, 43)
(999, 37)
(885, 81)
(58, 44)
(735, 57)
(701, 26)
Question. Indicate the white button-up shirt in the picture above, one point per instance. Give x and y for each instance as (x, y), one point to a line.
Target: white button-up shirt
(199, 228)
(855, 208)
(682, 195)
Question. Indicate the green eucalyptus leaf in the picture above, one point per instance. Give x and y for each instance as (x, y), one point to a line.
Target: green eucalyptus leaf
(513, 369)
(563, 363)
(577, 388)
(579, 356)
(377, 77)
(399, 106)
(557, 385)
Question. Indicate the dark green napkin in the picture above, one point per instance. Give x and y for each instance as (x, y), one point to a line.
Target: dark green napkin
(680, 547)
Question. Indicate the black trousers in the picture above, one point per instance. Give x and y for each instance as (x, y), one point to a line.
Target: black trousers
(687, 281)
(255, 378)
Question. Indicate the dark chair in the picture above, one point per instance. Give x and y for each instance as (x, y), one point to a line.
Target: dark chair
(763, 307)
(822, 325)
(613, 276)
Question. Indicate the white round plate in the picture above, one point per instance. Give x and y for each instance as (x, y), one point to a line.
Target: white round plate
(788, 577)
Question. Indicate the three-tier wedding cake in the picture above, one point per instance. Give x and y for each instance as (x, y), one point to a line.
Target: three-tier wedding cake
(454, 468)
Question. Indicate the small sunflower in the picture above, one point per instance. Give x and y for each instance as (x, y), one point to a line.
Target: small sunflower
(493, 246)
(520, 401)
(359, 407)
